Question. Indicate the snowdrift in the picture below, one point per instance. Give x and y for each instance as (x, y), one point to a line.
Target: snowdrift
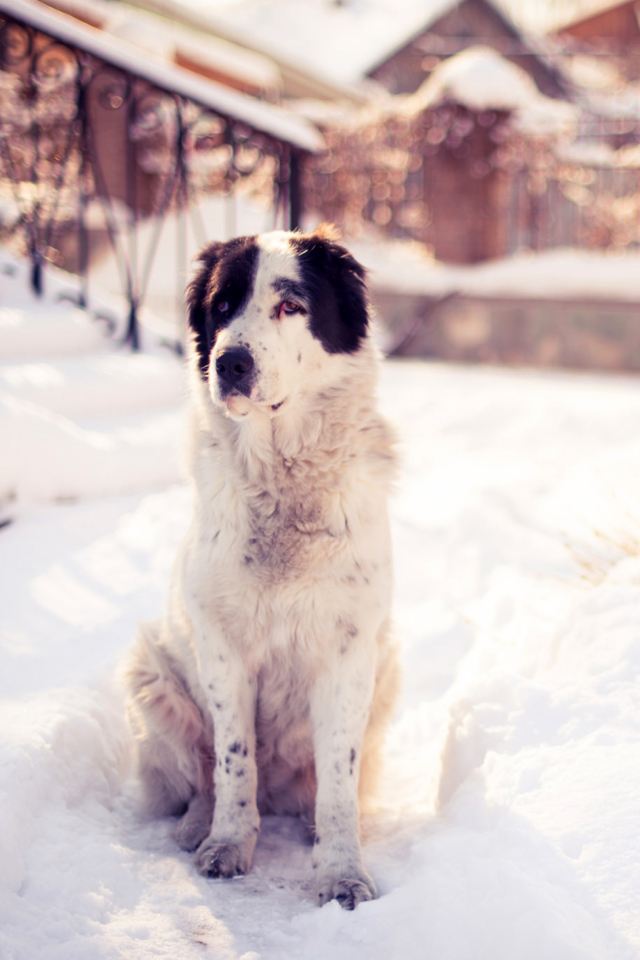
(507, 825)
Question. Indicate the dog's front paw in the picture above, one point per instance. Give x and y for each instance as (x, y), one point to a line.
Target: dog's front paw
(348, 891)
(221, 859)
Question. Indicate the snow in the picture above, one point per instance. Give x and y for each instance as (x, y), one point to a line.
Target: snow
(593, 154)
(481, 79)
(507, 825)
(559, 273)
(339, 41)
(102, 420)
(344, 41)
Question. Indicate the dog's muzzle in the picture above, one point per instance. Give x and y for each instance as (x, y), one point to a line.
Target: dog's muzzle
(235, 370)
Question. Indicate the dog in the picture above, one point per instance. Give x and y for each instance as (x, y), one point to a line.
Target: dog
(267, 687)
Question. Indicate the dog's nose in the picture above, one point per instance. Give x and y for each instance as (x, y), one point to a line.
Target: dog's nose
(234, 366)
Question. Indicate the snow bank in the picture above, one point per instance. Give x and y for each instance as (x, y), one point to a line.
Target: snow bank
(508, 818)
(507, 823)
(97, 385)
(51, 325)
(562, 273)
(55, 458)
(79, 414)
(45, 330)
(62, 750)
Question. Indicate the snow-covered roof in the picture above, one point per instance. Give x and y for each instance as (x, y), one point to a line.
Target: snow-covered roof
(481, 79)
(341, 41)
(178, 43)
(214, 96)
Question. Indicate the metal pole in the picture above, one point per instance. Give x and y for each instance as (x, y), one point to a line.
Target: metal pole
(132, 335)
(295, 191)
(83, 233)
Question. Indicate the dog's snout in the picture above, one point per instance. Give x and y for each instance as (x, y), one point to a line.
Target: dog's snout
(234, 367)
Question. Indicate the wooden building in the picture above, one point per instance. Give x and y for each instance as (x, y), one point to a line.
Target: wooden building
(463, 23)
(441, 166)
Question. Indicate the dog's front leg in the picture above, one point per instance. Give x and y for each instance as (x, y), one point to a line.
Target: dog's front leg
(231, 695)
(340, 703)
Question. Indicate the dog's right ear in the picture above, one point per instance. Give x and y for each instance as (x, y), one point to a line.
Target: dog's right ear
(197, 297)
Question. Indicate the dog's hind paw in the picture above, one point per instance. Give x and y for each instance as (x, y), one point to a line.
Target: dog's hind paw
(220, 860)
(348, 892)
(195, 825)
(190, 834)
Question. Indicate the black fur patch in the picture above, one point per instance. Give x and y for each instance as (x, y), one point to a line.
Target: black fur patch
(224, 279)
(332, 284)
(335, 289)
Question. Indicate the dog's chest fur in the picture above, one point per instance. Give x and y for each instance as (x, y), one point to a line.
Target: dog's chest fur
(288, 529)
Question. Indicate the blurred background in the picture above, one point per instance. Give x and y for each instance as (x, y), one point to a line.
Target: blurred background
(482, 158)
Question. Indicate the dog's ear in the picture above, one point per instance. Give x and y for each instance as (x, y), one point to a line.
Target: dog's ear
(335, 280)
(196, 301)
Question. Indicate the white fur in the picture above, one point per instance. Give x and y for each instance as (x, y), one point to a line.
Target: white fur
(267, 686)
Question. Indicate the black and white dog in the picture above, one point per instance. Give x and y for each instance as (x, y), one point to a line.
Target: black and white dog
(267, 686)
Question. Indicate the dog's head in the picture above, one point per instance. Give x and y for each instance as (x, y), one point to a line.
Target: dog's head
(268, 313)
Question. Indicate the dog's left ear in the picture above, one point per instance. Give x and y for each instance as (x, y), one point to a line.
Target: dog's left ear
(339, 315)
(197, 306)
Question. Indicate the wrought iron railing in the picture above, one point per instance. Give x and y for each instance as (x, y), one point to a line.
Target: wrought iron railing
(80, 132)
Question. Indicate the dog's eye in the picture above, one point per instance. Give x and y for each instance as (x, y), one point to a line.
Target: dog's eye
(288, 308)
(223, 306)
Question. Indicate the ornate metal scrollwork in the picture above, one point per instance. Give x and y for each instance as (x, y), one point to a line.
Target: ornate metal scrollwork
(112, 87)
(76, 131)
(16, 44)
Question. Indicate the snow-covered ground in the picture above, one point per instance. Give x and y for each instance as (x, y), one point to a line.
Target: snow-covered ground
(559, 273)
(508, 821)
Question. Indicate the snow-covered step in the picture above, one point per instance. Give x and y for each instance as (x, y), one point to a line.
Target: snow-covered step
(51, 457)
(97, 385)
